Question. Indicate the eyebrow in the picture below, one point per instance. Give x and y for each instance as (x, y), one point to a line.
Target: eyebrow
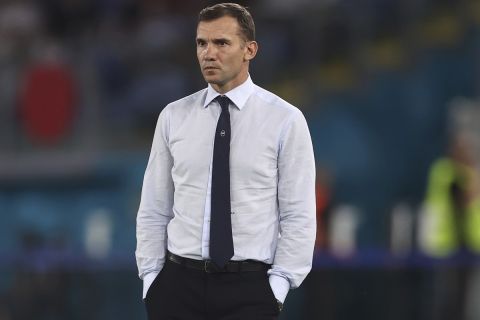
(216, 40)
(222, 40)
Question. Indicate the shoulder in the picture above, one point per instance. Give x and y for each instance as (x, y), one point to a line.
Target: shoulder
(186, 103)
(274, 103)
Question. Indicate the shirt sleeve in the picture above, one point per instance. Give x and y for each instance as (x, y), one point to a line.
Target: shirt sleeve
(296, 201)
(156, 206)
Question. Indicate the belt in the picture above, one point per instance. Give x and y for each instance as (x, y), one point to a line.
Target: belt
(209, 267)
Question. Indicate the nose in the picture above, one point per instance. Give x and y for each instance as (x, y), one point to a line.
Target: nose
(209, 52)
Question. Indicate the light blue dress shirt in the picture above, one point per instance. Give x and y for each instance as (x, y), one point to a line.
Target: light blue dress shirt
(272, 173)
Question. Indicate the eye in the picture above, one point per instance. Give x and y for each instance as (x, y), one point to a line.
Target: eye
(221, 42)
(201, 43)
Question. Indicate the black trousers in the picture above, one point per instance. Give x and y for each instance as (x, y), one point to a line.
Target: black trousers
(182, 293)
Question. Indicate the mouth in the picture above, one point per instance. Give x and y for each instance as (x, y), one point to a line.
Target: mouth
(210, 68)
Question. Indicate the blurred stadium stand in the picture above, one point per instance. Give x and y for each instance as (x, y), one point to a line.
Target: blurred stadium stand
(379, 82)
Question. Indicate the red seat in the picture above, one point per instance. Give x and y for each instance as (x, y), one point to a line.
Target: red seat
(47, 100)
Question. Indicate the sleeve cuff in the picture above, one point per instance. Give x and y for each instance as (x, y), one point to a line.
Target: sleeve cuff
(147, 282)
(280, 287)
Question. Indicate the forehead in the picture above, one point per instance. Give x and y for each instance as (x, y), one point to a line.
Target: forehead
(224, 27)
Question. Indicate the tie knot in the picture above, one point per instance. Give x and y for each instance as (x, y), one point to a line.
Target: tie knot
(224, 101)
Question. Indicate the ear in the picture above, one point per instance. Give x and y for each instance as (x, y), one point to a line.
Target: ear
(251, 49)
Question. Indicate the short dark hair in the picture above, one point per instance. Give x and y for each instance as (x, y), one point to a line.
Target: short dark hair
(234, 10)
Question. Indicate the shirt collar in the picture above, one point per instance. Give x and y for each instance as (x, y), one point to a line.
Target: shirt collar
(238, 95)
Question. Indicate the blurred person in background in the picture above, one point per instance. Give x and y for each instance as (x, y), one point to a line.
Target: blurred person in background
(451, 221)
(226, 224)
(452, 203)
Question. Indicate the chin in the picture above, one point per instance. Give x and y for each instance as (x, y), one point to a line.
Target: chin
(211, 80)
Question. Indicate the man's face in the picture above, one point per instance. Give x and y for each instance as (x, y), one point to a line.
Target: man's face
(223, 54)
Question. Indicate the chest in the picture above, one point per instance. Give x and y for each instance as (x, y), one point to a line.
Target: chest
(254, 145)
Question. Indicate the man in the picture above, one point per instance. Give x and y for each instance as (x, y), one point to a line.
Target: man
(226, 224)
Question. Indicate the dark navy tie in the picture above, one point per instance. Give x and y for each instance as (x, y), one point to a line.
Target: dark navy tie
(221, 242)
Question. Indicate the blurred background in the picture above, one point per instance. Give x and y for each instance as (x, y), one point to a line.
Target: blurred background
(390, 89)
